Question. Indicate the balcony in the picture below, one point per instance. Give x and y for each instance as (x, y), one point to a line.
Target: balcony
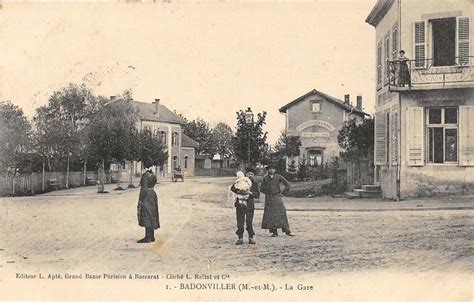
(425, 74)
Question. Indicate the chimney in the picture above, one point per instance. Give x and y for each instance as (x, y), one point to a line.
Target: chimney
(113, 97)
(156, 102)
(359, 102)
(347, 99)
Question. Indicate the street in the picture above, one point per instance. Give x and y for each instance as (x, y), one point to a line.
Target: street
(80, 231)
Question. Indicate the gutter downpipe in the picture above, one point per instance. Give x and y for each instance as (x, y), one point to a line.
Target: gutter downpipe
(399, 108)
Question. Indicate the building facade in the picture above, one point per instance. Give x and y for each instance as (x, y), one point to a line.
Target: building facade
(424, 121)
(169, 126)
(316, 119)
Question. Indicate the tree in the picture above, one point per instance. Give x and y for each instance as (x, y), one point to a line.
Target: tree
(112, 127)
(356, 139)
(288, 145)
(222, 137)
(152, 149)
(199, 131)
(250, 142)
(15, 137)
(61, 125)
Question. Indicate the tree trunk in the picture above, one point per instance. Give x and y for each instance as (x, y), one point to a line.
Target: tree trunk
(67, 172)
(131, 174)
(85, 172)
(101, 173)
(119, 174)
(42, 181)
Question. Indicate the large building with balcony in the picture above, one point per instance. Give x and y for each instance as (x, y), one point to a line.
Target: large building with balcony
(316, 119)
(424, 121)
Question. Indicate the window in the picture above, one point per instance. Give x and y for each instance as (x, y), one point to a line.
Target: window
(395, 42)
(315, 157)
(315, 106)
(185, 162)
(379, 64)
(163, 136)
(386, 47)
(444, 41)
(442, 135)
(174, 138)
(175, 162)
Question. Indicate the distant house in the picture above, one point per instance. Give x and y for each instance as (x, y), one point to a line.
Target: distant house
(317, 118)
(169, 126)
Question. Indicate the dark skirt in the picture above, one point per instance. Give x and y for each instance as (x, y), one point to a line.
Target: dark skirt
(147, 210)
(274, 213)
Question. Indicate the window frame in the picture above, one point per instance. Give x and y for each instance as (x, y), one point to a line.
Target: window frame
(445, 127)
(379, 65)
(316, 102)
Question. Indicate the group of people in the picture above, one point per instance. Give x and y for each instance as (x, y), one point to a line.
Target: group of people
(246, 190)
(274, 213)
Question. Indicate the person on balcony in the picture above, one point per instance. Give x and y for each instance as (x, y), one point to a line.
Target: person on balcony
(404, 71)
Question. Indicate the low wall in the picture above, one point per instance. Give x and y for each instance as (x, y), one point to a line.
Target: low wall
(38, 183)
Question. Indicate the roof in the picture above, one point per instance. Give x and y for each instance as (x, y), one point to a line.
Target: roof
(186, 141)
(146, 111)
(379, 11)
(327, 97)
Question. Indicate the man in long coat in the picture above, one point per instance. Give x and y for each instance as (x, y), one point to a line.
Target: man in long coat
(147, 208)
(274, 212)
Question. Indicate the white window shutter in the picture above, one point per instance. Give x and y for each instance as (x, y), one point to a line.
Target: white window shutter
(420, 48)
(463, 33)
(466, 135)
(380, 139)
(415, 137)
(394, 138)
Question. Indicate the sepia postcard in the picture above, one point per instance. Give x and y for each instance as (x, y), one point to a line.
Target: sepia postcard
(237, 150)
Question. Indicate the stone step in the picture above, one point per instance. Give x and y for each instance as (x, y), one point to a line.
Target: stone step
(371, 188)
(351, 195)
(367, 194)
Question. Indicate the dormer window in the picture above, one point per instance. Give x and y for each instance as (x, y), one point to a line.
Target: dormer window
(316, 106)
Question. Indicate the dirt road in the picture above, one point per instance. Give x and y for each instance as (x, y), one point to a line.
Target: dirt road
(81, 231)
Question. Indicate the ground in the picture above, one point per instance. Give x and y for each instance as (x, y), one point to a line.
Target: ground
(80, 231)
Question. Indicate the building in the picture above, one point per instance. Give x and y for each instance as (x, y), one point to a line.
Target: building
(424, 121)
(169, 126)
(317, 118)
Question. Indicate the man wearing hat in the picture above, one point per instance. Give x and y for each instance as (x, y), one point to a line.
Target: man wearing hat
(274, 212)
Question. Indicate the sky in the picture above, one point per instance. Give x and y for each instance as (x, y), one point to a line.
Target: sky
(207, 59)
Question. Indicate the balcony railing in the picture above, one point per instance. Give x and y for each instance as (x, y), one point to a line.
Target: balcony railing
(409, 74)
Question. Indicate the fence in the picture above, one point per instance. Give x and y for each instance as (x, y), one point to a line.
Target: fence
(215, 172)
(358, 174)
(38, 183)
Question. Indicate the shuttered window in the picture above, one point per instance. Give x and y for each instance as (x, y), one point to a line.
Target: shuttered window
(386, 49)
(466, 135)
(394, 138)
(463, 30)
(415, 142)
(379, 64)
(420, 43)
(395, 42)
(380, 139)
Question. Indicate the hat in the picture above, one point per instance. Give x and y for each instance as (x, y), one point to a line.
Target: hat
(271, 166)
(250, 170)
